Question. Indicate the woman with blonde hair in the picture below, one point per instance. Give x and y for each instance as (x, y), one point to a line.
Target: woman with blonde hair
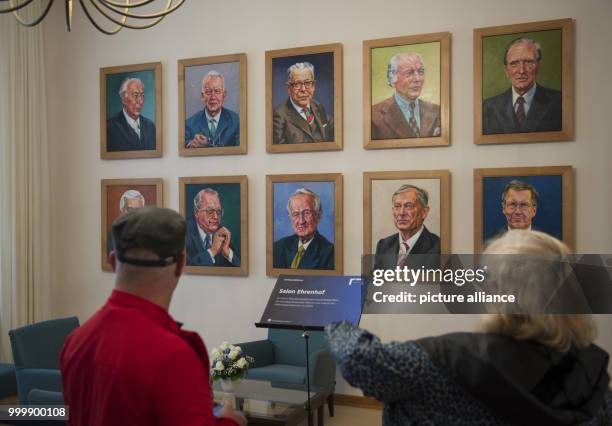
(533, 364)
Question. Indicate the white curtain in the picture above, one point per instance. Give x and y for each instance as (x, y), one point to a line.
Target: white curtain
(25, 277)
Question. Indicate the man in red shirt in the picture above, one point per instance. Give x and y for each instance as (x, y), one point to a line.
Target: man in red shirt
(131, 364)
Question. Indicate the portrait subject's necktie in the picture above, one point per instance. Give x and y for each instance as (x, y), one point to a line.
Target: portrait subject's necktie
(401, 261)
(309, 115)
(137, 129)
(520, 109)
(298, 257)
(212, 127)
(412, 122)
(207, 243)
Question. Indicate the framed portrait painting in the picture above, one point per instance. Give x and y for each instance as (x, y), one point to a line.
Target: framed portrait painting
(406, 91)
(120, 196)
(131, 111)
(536, 198)
(405, 213)
(304, 99)
(216, 210)
(212, 105)
(523, 82)
(304, 224)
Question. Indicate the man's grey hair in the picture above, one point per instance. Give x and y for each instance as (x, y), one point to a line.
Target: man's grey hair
(130, 194)
(124, 86)
(300, 66)
(392, 67)
(517, 185)
(213, 74)
(197, 200)
(422, 194)
(316, 201)
(522, 40)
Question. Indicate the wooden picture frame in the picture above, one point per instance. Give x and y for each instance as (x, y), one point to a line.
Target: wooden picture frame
(554, 210)
(326, 247)
(378, 190)
(231, 191)
(548, 112)
(286, 129)
(385, 124)
(118, 137)
(230, 133)
(117, 198)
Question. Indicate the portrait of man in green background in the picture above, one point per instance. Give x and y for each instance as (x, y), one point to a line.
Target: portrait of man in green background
(213, 224)
(405, 91)
(522, 82)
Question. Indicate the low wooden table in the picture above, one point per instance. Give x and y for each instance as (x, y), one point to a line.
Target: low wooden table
(270, 403)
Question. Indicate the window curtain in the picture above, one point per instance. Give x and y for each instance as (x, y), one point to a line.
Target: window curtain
(25, 276)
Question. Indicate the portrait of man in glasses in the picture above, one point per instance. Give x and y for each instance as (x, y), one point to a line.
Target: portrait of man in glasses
(214, 125)
(129, 130)
(405, 114)
(208, 242)
(301, 118)
(526, 106)
(519, 205)
(306, 248)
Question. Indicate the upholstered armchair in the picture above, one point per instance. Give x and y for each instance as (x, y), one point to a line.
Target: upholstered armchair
(36, 351)
(282, 358)
(8, 385)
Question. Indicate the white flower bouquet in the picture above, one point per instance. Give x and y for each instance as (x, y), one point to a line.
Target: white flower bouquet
(229, 362)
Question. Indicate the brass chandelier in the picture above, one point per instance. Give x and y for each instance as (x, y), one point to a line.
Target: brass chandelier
(117, 12)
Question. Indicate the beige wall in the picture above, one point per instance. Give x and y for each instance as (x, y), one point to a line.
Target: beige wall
(225, 308)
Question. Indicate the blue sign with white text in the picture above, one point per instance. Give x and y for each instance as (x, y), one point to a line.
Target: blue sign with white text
(312, 302)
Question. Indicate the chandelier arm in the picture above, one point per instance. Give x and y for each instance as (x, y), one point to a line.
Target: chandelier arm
(12, 8)
(166, 11)
(124, 17)
(37, 20)
(138, 4)
(95, 24)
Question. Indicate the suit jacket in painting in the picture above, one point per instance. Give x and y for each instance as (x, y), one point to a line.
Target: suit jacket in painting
(198, 256)
(544, 113)
(290, 127)
(389, 122)
(319, 255)
(121, 137)
(227, 133)
(387, 248)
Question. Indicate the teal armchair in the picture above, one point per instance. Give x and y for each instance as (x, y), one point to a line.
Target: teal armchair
(36, 351)
(8, 385)
(282, 358)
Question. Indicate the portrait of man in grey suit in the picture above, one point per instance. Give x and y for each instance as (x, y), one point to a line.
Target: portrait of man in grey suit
(410, 207)
(404, 114)
(301, 119)
(128, 130)
(526, 106)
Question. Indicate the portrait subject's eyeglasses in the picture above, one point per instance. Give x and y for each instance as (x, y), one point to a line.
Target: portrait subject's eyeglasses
(137, 95)
(518, 206)
(306, 214)
(212, 212)
(307, 84)
(407, 206)
(527, 63)
(413, 73)
(209, 92)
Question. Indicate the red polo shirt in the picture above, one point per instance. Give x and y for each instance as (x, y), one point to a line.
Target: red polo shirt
(131, 364)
